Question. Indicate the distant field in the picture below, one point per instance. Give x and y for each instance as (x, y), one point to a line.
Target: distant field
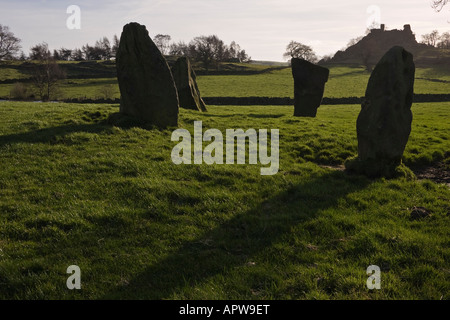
(343, 82)
(78, 186)
(256, 81)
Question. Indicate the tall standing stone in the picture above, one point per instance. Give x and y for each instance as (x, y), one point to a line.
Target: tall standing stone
(309, 85)
(186, 83)
(146, 84)
(384, 123)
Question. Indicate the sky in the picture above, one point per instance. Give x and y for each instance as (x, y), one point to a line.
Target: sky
(262, 27)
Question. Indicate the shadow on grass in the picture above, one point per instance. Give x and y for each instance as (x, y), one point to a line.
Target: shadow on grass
(237, 241)
(52, 134)
(232, 243)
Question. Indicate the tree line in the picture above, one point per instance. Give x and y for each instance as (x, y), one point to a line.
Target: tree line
(103, 49)
(210, 50)
(435, 40)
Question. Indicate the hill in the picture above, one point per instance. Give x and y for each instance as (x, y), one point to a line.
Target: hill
(369, 50)
(270, 63)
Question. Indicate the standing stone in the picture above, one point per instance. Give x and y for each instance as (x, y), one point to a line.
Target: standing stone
(384, 123)
(185, 81)
(309, 85)
(146, 84)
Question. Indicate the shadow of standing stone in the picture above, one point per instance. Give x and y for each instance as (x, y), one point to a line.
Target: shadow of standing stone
(309, 85)
(146, 84)
(186, 83)
(384, 123)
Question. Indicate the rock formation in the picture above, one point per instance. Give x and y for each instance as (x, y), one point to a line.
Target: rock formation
(370, 49)
(309, 85)
(146, 84)
(185, 81)
(384, 123)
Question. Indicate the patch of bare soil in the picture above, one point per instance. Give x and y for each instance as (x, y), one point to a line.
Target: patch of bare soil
(340, 167)
(438, 173)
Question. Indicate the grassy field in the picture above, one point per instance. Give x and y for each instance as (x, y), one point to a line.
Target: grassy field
(81, 187)
(344, 81)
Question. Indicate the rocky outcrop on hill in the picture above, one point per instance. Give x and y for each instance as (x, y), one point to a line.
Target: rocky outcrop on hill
(369, 50)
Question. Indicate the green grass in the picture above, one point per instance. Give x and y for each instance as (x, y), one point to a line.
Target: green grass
(76, 189)
(344, 81)
(11, 73)
(89, 88)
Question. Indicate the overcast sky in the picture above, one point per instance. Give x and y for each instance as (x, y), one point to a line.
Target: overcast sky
(262, 27)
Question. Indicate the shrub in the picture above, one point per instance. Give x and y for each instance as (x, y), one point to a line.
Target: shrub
(107, 92)
(19, 91)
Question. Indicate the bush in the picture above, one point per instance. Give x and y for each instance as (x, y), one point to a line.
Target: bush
(19, 91)
(107, 92)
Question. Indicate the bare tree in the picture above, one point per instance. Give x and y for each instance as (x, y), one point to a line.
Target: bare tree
(234, 50)
(431, 39)
(56, 55)
(46, 75)
(115, 46)
(40, 52)
(102, 49)
(65, 54)
(220, 50)
(179, 49)
(243, 56)
(9, 44)
(202, 50)
(439, 4)
(89, 52)
(297, 50)
(162, 42)
(207, 49)
(235, 53)
(22, 56)
(77, 55)
(444, 42)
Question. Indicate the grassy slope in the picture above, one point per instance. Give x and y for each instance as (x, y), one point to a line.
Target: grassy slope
(77, 190)
(344, 81)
